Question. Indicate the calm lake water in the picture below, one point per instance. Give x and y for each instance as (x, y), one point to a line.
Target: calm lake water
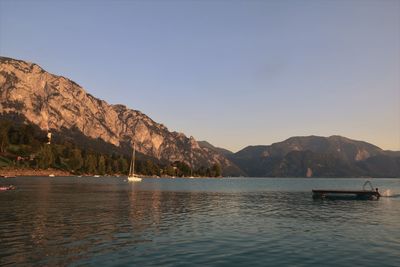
(196, 222)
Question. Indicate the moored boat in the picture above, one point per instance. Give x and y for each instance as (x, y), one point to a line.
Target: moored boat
(7, 188)
(364, 194)
(7, 176)
(132, 177)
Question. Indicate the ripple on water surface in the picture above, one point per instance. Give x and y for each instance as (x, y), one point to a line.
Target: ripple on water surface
(92, 221)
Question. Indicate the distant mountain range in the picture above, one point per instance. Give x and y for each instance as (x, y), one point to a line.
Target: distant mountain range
(316, 156)
(29, 93)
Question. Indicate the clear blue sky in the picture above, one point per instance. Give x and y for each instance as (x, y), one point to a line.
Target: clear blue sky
(235, 73)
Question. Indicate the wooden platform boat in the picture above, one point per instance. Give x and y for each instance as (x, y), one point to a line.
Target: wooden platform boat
(372, 194)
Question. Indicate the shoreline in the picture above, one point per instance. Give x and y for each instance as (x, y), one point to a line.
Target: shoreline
(33, 172)
(26, 172)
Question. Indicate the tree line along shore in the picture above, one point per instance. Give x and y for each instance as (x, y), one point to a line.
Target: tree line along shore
(24, 151)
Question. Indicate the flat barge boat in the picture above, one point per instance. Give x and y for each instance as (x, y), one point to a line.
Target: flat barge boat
(372, 194)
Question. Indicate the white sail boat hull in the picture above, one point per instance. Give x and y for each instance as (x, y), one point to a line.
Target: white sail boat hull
(134, 179)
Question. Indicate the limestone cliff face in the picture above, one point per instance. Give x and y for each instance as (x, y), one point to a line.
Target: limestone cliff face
(55, 103)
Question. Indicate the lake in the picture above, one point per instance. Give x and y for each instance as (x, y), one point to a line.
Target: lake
(196, 222)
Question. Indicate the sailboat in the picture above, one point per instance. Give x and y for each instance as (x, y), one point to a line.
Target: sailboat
(131, 176)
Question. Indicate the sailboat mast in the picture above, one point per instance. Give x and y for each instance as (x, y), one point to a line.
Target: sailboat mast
(132, 164)
(191, 161)
(133, 160)
(191, 166)
(130, 168)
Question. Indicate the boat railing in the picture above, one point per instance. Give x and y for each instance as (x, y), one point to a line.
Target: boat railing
(370, 185)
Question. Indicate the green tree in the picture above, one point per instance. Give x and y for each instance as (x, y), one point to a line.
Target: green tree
(90, 163)
(209, 173)
(170, 170)
(216, 170)
(45, 157)
(109, 165)
(67, 152)
(184, 169)
(101, 165)
(140, 167)
(27, 134)
(115, 166)
(75, 161)
(4, 140)
(14, 135)
(150, 168)
(123, 165)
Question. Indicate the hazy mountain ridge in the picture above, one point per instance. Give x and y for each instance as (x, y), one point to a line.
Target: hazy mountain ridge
(317, 156)
(61, 105)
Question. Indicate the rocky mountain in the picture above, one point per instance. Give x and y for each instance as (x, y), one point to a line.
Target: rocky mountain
(58, 104)
(223, 151)
(316, 156)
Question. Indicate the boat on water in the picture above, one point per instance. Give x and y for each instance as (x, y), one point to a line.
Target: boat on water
(7, 176)
(364, 194)
(7, 188)
(132, 177)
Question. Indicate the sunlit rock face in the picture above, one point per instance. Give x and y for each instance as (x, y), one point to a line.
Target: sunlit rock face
(362, 154)
(54, 102)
